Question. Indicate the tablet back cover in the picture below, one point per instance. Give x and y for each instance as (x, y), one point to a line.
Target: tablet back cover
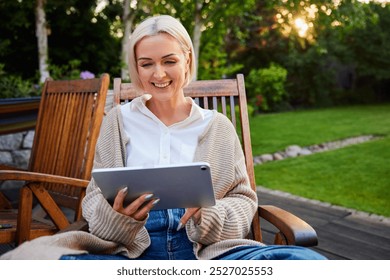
(177, 186)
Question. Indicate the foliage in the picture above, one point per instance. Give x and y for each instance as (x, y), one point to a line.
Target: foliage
(216, 65)
(327, 65)
(341, 57)
(69, 71)
(266, 86)
(371, 60)
(75, 33)
(18, 47)
(12, 86)
(219, 26)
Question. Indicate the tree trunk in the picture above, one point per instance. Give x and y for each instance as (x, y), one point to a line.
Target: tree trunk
(197, 34)
(127, 19)
(41, 33)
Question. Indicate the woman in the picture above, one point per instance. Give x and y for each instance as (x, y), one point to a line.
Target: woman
(164, 127)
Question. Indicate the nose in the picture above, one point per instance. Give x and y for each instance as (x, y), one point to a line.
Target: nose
(159, 72)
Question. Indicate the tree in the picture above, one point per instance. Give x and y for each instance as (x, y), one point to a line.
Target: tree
(18, 42)
(81, 33)
(313, 40)
(128, 17)
(209, 23)
(41, 32)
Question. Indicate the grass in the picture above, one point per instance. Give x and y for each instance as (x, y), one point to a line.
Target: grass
(273, 132)
(355, 177)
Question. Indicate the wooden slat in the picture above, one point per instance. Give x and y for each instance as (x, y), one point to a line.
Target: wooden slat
(223, 103)
(77, 123)
(217, 88)
(211, 88)
(68, 125)
(333, 241)
(24, 216)
(215, 103)
(4, 202)
(232, 111)
(86, 130)
(88, 85)
(48, 203)
(66, 135)
(205, 102)
(72, 167)
(98, 113)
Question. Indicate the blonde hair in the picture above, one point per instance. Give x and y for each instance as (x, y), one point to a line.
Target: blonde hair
(154, 26)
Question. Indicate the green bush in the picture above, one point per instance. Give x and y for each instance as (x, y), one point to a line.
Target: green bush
(266, 87)
(68, 71)
(12, 86)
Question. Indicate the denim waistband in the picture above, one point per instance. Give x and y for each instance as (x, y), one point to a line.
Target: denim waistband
(166, 241)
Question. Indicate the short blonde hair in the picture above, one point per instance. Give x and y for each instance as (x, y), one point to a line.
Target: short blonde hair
(154, 26)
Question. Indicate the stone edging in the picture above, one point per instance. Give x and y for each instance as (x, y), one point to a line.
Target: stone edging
(295, 150)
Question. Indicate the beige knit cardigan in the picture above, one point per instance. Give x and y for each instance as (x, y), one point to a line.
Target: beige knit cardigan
(221, 228)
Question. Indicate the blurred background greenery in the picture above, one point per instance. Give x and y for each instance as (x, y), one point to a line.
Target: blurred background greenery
(295, 54)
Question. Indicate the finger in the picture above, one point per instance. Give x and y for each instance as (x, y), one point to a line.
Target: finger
(143, 212)
(120, 197)
(196, 217)
(187, 215)
(137, 203)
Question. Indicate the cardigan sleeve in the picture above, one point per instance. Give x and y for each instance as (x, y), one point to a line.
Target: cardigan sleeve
(103, 220)
(236, 202)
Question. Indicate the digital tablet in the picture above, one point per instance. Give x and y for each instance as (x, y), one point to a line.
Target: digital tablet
(177, 186)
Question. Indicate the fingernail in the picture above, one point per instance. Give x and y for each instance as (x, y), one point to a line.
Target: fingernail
(149, 196)
(156, 201)
(124, 190)
(180, 226)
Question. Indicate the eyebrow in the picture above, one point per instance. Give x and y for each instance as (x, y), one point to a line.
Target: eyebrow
(147, 58)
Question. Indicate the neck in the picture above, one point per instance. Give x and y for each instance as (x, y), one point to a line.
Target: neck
(171, 111)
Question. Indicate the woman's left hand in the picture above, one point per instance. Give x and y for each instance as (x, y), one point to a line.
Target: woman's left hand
(195, 213)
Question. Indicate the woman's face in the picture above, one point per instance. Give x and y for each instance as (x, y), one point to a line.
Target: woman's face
(162, 66)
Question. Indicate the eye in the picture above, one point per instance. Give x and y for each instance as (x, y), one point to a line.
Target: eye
(170, 62)
(145, 65)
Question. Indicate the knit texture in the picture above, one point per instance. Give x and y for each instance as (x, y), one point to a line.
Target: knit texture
(222, 227)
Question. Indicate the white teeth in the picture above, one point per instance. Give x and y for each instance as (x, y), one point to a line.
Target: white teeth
(162, 85)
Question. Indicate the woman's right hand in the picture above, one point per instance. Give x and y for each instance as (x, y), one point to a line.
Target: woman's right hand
(138, 209)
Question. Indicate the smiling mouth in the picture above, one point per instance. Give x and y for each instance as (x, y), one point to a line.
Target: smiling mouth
(162, 85)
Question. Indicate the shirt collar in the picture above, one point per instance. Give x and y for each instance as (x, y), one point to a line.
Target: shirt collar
(139, 103)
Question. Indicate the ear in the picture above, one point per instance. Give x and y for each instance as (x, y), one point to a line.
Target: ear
(188, 62)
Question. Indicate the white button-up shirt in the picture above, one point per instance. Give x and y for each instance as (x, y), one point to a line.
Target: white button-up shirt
(152, 143)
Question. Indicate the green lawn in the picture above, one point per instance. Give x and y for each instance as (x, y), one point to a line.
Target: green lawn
(273, 132)
(355, 177)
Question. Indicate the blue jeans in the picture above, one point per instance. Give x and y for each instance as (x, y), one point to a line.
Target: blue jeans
(169, 244)
(166, 242)
(271, 252)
